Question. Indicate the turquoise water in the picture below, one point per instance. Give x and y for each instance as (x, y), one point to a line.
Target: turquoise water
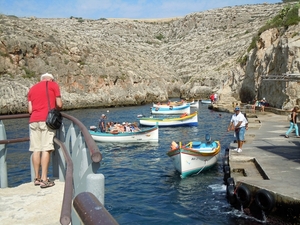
(141, 184)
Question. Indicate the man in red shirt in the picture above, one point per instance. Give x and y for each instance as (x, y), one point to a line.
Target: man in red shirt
(41, 136)
(212, 98)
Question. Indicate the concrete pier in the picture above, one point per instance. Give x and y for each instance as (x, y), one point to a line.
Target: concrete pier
(269, 160)
(29, 204)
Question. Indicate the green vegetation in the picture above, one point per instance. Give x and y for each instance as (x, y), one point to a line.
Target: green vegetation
(243, 60)
(253, 43)
(4, 54)
(28, 73)
(288, 16)
(286, 1)
(160, 37)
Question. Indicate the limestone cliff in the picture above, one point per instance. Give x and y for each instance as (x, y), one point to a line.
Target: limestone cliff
(114, 62)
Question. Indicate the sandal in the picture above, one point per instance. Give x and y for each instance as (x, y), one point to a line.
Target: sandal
(286, 136)
(47, 183)
(37, 181)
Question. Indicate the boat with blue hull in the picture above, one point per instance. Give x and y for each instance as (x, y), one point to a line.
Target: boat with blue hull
(170, 109)
(194, 157)
(143, 135)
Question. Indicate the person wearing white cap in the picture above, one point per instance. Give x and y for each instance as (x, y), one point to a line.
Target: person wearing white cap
(41, 136)
(48, 76)
(238, 123)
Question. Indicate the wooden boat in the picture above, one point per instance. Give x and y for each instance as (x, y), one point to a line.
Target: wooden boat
(144, 135)
(208, 101)
(195, 156)
(170, 109)
(183, 120)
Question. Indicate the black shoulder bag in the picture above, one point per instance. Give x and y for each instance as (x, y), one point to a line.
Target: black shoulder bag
(54, 118)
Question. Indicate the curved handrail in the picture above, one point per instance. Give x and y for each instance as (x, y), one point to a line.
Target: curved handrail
(86, 203)
(92, 146)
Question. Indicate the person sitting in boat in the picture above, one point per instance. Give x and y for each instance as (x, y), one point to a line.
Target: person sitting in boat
(135, 127)
(108, 127)
(120, 128)
(174, 145)
(127, 127)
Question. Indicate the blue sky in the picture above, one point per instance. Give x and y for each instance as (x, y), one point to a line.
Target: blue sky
(133, 9)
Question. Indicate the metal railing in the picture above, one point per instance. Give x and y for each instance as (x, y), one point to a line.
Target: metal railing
(74, 147)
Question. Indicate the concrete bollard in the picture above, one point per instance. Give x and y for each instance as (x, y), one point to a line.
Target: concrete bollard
(95, 184)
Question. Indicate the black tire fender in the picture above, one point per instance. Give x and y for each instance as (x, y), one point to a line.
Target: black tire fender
(230, 181)
(227, 152)
(225, 162)
(226, 173)
(171, 107)
(243, 195)
(264, 200)
(156, 109)
(230, 193)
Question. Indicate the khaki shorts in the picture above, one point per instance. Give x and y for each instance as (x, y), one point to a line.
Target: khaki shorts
(41, 137)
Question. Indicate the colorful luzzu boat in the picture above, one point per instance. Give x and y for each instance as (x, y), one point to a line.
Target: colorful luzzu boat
(183, 120)
(170, 109)
(144, 135)
(195, 156)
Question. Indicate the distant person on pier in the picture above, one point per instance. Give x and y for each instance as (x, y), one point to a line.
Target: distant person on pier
(263, 103)
(212, 98)
(293, 122)
(41, 136)
(215, 97)
(255, 104)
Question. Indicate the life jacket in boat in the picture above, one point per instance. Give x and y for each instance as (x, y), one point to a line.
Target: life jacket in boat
(183, 115)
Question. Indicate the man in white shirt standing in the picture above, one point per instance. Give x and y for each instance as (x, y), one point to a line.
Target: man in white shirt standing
(238, 123)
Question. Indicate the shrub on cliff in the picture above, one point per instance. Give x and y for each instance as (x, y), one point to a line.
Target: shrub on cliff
(288, 16)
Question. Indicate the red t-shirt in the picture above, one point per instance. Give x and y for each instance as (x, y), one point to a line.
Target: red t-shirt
(38, 97)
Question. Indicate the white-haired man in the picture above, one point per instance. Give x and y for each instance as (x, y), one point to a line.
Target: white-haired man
(41, 136)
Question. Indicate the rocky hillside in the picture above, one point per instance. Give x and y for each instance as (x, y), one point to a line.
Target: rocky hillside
(113, 62)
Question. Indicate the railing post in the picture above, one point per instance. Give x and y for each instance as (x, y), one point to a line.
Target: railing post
(58, 159)
(3, 152)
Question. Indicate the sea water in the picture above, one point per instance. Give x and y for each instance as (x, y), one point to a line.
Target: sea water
(141, 183)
